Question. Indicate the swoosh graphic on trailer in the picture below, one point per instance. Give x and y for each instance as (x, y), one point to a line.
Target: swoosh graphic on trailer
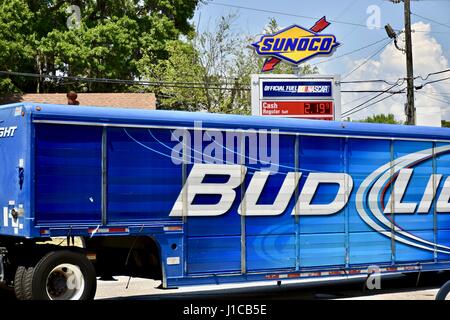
(373, 184)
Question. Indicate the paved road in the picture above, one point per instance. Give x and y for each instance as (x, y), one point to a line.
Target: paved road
(399, 288)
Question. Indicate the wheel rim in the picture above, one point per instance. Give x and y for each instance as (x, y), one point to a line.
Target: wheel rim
(65, 282)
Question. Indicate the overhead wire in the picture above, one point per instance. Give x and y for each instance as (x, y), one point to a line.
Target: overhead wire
(185, 85)
(367, 59)
(430, 82)
(287, 14)
(369, 105)
(357, 99)
(350, 111)
(432, 74)
(350, 52)
(399, 81)
(442, 94)
(433, 98)
(429, 19)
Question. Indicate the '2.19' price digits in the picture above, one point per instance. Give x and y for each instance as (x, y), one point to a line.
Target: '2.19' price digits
(318, 108)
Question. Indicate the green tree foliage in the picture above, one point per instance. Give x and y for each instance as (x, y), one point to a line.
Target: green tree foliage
(179, 68)
(382, 118)
(17, 44)
(112, 39)
(220, 61)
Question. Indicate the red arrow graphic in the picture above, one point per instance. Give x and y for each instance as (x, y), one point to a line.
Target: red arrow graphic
(320, 25)
(270, 64)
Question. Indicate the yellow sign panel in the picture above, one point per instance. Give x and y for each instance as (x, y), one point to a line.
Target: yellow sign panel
(295, 44)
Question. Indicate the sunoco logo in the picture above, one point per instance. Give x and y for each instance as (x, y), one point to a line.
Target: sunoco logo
(295, 44)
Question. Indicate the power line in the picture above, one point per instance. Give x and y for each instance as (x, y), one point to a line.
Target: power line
(437, 99)
(182, 85)
(425, 31)
(442, 94)
(369, 105)
(374, 97)
(360, 98)
(429, 19)
(371, 91)
(432, 74)
(430, 82)
(357, 99)
(356, 27)
(397, 82)
(346, 8)
(367, 59)
(350, 52)
(350, 111)
(287, 14)
(434, 98)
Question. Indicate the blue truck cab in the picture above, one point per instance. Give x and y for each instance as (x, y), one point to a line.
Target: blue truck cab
(197, 199)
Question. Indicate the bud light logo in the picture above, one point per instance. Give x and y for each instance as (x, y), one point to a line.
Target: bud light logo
(6, 132)
(373, 203)
(371, 192)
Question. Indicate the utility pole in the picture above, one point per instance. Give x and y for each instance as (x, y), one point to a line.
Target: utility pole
(409, 107)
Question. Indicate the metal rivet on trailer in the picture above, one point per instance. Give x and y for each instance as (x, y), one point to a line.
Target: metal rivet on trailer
(38, 108)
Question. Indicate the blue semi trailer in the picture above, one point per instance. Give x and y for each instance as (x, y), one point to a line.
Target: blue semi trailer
(196, 199)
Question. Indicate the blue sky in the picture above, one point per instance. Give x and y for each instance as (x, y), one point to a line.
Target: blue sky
(353, 11)
(431, 42)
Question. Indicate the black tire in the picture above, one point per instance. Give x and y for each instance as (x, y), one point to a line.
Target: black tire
(37, 277)
(18, 285)
(443, 292)
(27, 281)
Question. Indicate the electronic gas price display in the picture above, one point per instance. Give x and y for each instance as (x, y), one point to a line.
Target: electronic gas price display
(304, 109)
(307, 97)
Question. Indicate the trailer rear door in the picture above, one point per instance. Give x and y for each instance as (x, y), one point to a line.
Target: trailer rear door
(68, 175)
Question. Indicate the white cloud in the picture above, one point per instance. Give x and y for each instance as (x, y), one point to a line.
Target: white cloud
(428, 56)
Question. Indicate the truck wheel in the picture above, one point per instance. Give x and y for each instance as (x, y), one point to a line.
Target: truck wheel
(63, 275)
(22, 283)
(27, 280)
(18, 285)
(443, 292)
